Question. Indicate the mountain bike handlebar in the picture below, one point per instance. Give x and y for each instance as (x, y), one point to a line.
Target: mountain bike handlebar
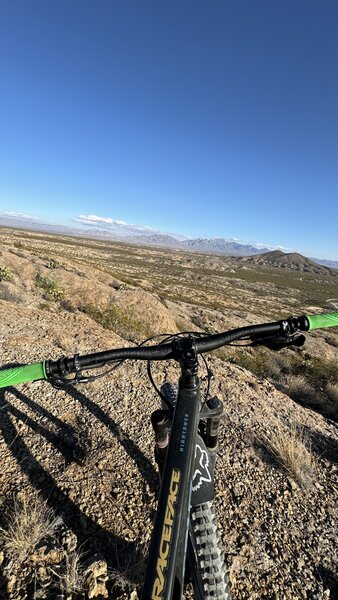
(280, 330)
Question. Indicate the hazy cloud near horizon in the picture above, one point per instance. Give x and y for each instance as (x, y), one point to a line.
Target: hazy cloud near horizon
(113, 224)
(17, 215)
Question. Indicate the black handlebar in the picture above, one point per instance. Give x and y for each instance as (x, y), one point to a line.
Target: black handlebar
(278, 329)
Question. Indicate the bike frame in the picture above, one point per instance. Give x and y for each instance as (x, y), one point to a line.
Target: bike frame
(168, 551)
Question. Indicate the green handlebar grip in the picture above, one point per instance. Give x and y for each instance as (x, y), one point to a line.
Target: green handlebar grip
(22, 374)
(324, 320)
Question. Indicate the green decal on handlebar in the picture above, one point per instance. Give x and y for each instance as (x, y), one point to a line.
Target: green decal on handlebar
(22, 374)
(324, 320)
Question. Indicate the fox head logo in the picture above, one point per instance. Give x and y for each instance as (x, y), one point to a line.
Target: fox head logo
(201, 472)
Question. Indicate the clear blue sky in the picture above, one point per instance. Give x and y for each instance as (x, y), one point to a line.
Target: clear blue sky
(203, 118)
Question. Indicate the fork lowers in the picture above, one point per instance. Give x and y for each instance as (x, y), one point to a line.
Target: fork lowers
(161, 423)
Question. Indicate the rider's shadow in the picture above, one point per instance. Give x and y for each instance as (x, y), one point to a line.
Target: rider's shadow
(69, 440)
(143, 463)
(43, 481)
(94, 537)
(65, 440)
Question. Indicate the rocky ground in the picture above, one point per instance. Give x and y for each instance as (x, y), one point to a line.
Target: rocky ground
(85, 453)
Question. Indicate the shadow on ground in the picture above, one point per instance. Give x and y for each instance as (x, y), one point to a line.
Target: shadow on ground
(323, 445)
(93, 537)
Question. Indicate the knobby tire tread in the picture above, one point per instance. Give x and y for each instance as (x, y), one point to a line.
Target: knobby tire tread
(208, 571)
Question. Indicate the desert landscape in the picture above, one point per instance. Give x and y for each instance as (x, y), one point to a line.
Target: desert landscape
(78, 482)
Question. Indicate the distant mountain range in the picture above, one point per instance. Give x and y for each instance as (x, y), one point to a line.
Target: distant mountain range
(333, 264)
(221, 246)
(213, 245)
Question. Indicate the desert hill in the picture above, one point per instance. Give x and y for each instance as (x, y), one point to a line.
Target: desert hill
(291, 260)
(85, 452)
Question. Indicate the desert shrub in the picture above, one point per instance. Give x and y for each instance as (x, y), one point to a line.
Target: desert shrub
(304, 377)
(276, 365)
(45, 306)
(30, 522)
(51, 288)
(299, 389)
(319, 371)
(254, 360)
(53, 264)
(5, 273)
(123, 322)
(291, 449)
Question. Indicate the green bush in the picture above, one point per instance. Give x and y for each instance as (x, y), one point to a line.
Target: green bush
(309, 380)
(51, 288)
(5, 273)
(256, 361)
(319, 371)
(53, 264)
(123, 322)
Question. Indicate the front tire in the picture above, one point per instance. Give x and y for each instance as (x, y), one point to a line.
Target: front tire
(207, 567)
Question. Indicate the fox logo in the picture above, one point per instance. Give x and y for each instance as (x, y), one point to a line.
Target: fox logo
(201, 472)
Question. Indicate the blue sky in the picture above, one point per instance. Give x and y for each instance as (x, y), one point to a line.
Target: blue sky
(202, 118)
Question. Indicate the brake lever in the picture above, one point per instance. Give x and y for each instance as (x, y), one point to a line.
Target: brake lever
(60, 383)
(280, 341)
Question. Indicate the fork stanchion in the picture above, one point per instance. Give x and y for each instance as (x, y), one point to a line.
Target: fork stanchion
(161, 424)
(215, 407)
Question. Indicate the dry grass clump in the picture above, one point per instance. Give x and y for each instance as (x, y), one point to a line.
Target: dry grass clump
(265, 363)
(72, 576)
(131, 574)
(299, 389)
(278, 364)
(291, 449)
(30, 522)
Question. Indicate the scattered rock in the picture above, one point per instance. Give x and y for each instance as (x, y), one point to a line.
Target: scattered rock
(95, 576)
(43, 555)
(44, 577)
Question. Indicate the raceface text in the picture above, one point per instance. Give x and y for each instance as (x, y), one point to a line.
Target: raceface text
(167, 530)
